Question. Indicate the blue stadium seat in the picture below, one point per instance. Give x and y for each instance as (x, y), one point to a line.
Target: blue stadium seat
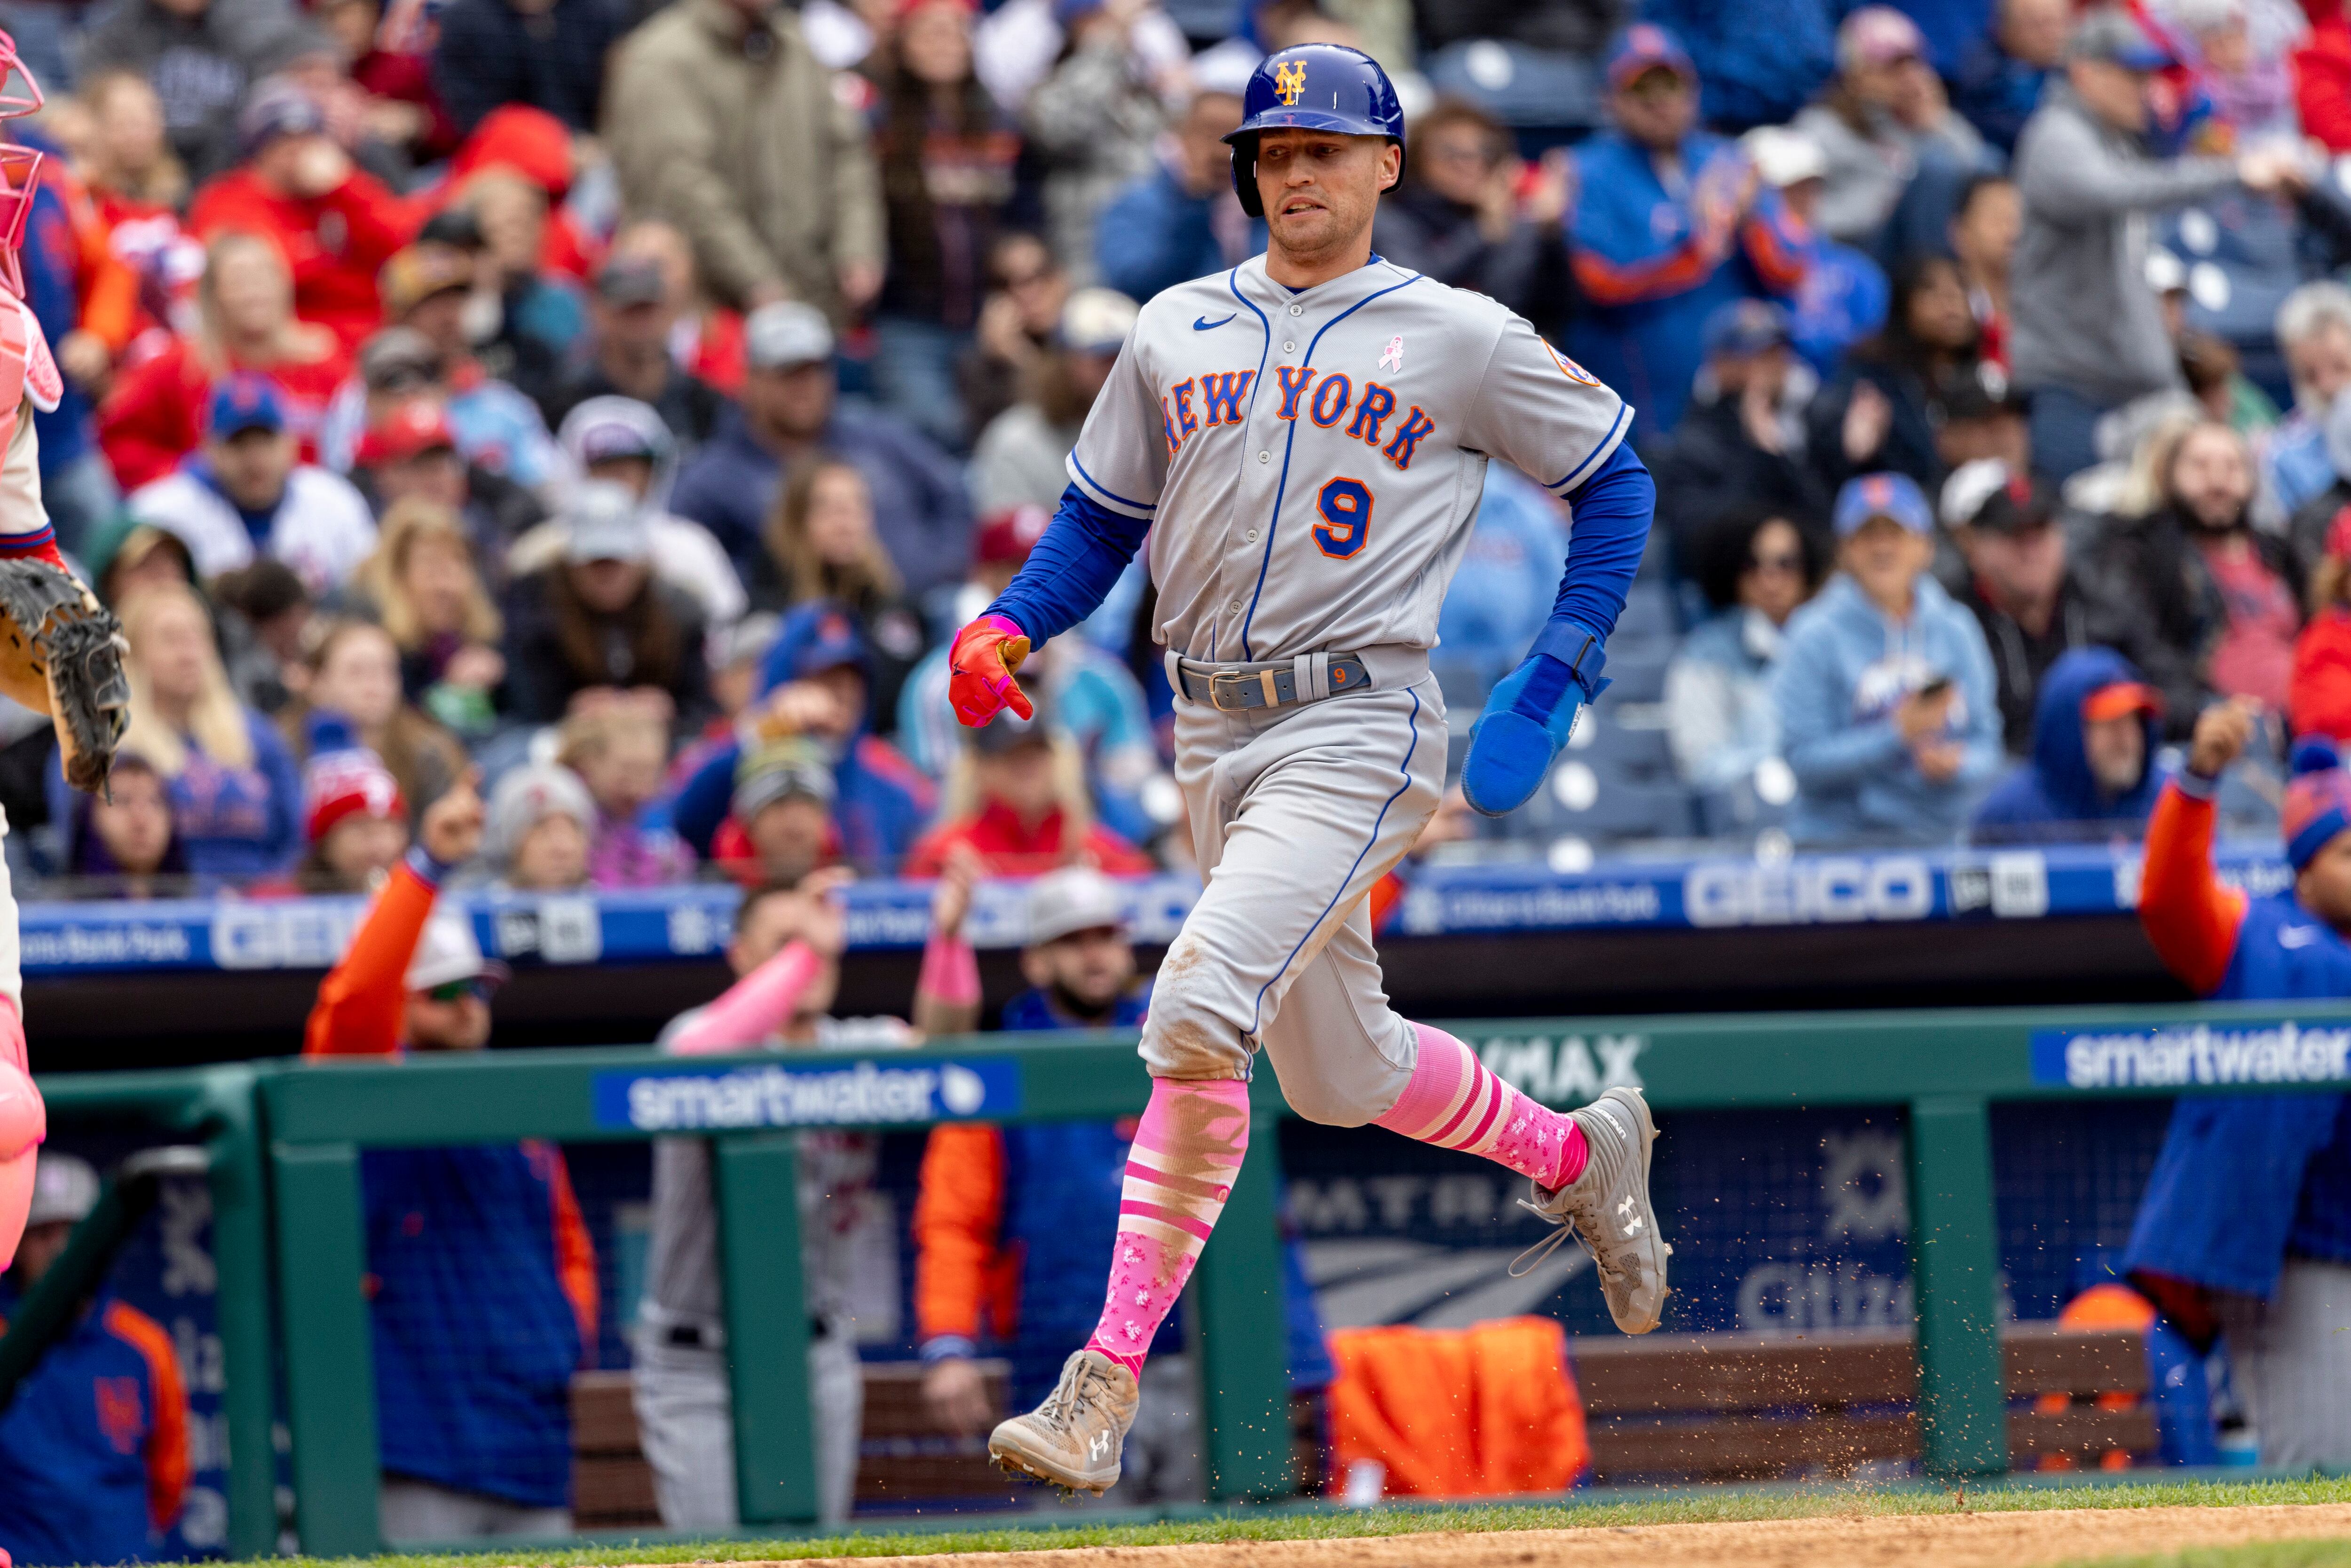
(1648, 617)
(1620, 752)
(1638, 672)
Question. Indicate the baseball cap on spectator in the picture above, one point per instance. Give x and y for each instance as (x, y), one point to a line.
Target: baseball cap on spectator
(409, 429)
(1980, 392)
(1744, 327)
(1878, 35)
(452, 226)
(1893, 497)
(1096, 322)
(602, 521)
(448, 952)
(2123, 699)
(244, 402)
(2317, 800)
(1644, 48)
(347, 783)
(1006, 538)
(1987, 494)
(833, 641)
(2112, 35)
(786, 335)
(603, 429)
(1009, 732)
(1074, 899)
(525, 797)
(277, 107)
(65, 1189)
(415, 275)
(780, 770)
(1784, 156)
(632, 281)
(398, 359)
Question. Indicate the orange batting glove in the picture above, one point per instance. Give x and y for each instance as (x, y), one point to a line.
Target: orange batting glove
(982, 660)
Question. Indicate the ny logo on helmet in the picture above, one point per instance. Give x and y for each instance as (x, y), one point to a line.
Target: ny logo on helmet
(1290, 80)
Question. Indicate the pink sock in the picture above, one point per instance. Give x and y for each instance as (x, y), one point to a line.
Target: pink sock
(1456, 1103)
(1186, 1152)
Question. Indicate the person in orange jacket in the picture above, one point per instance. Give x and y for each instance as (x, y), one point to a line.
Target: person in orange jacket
(480, 1273)
(337, 224)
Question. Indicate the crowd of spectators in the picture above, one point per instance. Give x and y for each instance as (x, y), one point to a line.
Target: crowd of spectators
(628, 401)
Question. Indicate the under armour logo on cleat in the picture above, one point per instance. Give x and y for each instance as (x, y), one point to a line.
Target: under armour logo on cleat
(1098, 1445)
(1627, 1221)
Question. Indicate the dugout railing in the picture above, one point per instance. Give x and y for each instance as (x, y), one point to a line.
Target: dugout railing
(1944, 1070)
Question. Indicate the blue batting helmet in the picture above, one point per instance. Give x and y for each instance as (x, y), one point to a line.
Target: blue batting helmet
(1313, 86)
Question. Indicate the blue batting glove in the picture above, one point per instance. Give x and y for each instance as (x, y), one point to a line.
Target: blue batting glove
(1529, 717)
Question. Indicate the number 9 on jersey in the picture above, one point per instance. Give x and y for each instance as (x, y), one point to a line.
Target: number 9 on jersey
(1346, 509)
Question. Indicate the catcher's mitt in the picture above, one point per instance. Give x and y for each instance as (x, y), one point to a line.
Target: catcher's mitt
(61, 653)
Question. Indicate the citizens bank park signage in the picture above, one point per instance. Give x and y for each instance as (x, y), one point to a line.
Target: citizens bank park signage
(2181, 1056)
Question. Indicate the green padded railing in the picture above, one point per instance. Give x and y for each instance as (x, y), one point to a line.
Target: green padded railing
(1946, 1068)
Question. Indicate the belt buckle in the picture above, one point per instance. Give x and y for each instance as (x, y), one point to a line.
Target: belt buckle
(1231, 680)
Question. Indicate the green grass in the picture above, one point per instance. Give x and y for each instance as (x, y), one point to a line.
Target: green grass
(1301, 1523)
(2260, 1554)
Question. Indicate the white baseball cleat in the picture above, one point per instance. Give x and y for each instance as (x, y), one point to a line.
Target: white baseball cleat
(1075, 1437)
(1609, 1208)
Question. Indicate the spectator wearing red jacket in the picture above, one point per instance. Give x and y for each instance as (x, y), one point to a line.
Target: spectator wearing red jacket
(402, 107)
(484, 1287)
(1024, 807)
(2322, 76)
(336, 224)
(245, 322)
(136, 186)
(2318, 695)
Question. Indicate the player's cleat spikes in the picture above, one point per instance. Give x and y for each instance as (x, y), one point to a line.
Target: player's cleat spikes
(1609, 1208)
(1075, 1437)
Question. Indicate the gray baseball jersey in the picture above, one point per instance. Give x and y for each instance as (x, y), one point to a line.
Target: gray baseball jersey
(1311, 461)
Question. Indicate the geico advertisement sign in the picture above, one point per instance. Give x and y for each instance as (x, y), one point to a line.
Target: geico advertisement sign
(1825, 891)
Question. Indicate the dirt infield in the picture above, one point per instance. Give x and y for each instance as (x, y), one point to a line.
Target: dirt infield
(2002, 1540)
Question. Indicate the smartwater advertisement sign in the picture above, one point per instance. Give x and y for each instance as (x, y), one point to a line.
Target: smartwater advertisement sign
(865, 1093)
(2180, 1056)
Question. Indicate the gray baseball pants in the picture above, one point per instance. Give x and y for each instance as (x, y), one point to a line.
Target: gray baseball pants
(685, 1424)
(1296, 813)
(2290, 1356)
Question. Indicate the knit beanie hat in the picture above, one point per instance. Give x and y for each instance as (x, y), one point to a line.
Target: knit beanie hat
(348, 783)
(2317, 800)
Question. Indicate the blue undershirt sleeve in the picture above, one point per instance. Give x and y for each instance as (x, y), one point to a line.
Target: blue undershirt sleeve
(1079, 556)
(1613, 509)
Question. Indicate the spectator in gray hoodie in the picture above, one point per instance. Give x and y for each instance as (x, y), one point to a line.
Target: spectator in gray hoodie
(2089, 334)
(201, 56)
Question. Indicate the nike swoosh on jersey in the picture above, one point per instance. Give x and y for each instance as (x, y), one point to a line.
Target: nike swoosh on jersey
(1202, 324)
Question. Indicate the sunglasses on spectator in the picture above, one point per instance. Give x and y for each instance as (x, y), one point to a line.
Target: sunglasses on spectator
(478, 987)
(1778, 560)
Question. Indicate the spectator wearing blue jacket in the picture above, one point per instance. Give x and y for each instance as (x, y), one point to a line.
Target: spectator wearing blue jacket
(881, 801)
(94, 1447)
(1843, 297)
(791, 411)
(1670, 223)
(235, 795)
(1887, 711)
(1501, 595)
(1762, 59)
(2000, 77)
(2313, 334)
(1182, 220)
(2092, 775)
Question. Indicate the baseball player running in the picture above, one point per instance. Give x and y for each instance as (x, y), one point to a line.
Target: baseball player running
(1308, 433)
